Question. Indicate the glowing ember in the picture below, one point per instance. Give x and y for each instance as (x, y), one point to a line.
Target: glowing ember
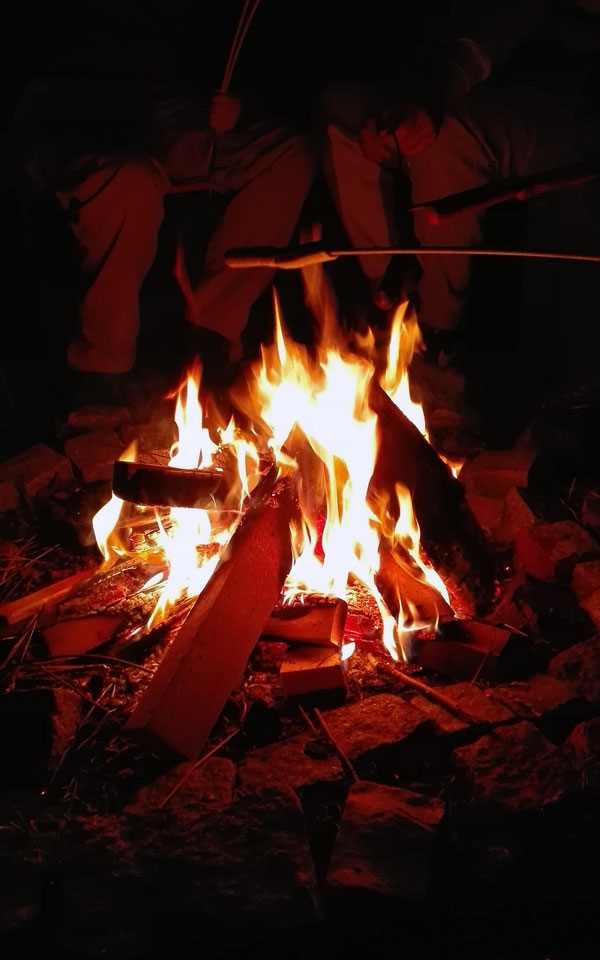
(310, 409)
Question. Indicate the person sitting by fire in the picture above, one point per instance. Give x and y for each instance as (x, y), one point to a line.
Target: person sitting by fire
(110, 153)
(507, 89)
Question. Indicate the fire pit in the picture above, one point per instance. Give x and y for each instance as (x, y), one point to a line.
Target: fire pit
(294, 682)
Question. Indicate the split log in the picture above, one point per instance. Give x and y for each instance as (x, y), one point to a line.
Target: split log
(72, 637)
(311, 669)
(469, 649)
(158, 486)
(318, 621)
(395, 579)
(207, 658)
(450, 535)
(13, 611)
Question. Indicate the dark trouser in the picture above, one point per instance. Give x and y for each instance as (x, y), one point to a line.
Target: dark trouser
(267, 170)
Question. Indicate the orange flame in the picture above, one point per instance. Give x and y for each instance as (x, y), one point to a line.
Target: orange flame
(311, 409)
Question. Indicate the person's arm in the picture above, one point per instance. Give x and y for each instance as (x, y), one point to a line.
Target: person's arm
(485, 34)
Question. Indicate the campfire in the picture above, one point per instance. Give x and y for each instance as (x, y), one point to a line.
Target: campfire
(304, 443)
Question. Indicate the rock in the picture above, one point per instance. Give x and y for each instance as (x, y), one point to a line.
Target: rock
(386, 842)
(591, 605)
(584, 744)
(215, 873)
(494, 473)
(444, 722)
(37, 472)
(517, 515)
(586, 579)
(478, 703)
(94, 454)
(487, 511)
(371, 728)
(98, 417)
(154, 438)
(298, 762)
(514, 769)
(590, 511)
(36, 729)
(9, 498)
(541, 695)
(579, 666)
(211, 783)
(513, 609)
(543, 546)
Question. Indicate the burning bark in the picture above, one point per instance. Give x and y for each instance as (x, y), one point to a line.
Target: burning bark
(207, 658)
(156, 486)
(450, 536)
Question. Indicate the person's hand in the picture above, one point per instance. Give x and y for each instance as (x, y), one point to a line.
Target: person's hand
(224, 113)
(376, 145)
(415, 132)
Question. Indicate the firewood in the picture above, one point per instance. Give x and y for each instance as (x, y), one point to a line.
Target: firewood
(158, 486)
(469, 650)
(450, 535)
(71, 637)
(395, 577)
(311, 669)
(319, 621)
(207, 658)
(13, 611)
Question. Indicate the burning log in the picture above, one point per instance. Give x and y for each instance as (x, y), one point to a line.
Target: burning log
(450, 536)
(393, 576)
(13, 611)
(207, 658)
(320, 621)
(158, 486)
(311, 669)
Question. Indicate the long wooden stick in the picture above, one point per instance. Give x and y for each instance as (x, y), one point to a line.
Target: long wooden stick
(513, 188)
(306, 255)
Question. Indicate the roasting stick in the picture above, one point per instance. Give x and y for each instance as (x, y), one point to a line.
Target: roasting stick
(513, 188)
(308, 254)
(430, 692)
(341, 752)
(238, 40)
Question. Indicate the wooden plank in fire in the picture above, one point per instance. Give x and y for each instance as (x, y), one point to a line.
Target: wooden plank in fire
(450, 535)
(317, 621)
(208, 656)
(162, 486)
(46, 599)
